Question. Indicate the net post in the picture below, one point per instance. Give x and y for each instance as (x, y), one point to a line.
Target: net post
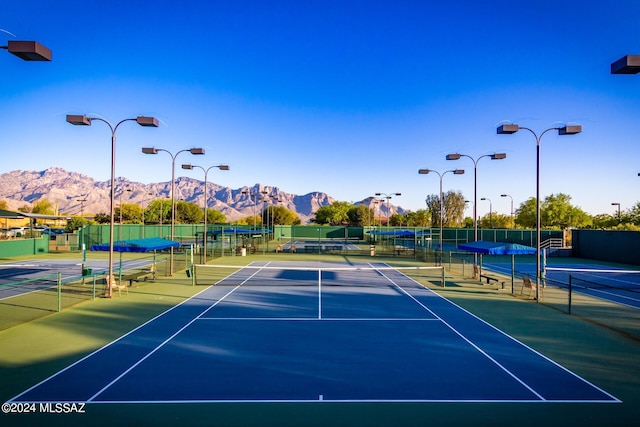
(444, 283)
(59, 284)
(570, 291)
(93, 289)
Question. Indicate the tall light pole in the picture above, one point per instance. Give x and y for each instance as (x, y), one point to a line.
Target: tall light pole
(83, 120)
(513, 217)
(490, 210)
(206, 171)
(508, 129)
(494, 156)
(153, 150)
(388, 197)
(254, 198)
(619, 217)
(441, 175)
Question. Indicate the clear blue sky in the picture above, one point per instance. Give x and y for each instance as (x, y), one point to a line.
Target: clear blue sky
(346, 97)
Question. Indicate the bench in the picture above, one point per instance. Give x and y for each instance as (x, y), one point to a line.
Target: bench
(135, 276)
(490, 279)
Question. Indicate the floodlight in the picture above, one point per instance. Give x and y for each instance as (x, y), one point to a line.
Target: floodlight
(29, 50)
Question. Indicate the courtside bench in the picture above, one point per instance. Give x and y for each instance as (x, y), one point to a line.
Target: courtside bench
(490, 278)
(141, 275)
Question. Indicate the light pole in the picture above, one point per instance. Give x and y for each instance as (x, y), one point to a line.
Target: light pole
(512, 212)
(83, 120)
(206, 171)
(490, 210)
(254, 198)
(494, 156)
(508, 129)
(618, 205)
(153, 150)
(388, 197)
(441, 175)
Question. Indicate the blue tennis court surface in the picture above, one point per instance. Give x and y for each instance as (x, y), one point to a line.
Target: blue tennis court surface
(20, 277)
(394, 342)
(595, 280)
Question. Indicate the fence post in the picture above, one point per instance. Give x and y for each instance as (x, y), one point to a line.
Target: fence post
(59, 283)
(570, 290)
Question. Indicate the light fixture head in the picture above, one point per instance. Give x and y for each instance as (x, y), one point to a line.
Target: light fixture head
(628, 64)
(29, 50)
(507, 129)
(458, 172)
(197, 151)
(149, 150)
(570, 130)
(420, 171)
(79, 120)
(498, 156)
(454, 156)
(147, 121)
(188, 167)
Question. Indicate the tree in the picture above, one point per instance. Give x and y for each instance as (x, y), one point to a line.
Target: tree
(75, 223)
(453, 209)
(102, 218)
(42, 206)
(4, 205)
(360, 215)
(188, 213)
(131, 213)
(214, 216)
(280, 215)
(556, 211)
(419, 218)
(333, 214)
(495, 220)
(158, 212)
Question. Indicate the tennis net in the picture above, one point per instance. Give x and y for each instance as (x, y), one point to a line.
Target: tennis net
(356, 276)
(625, 280)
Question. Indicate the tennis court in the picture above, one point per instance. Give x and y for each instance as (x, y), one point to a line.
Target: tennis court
(357, 333)
(25, 276)
(610, 283)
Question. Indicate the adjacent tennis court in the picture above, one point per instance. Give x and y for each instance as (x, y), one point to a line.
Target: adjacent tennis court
(612, 284)
(316, 332)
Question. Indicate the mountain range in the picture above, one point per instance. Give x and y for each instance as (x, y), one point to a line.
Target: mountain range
(74, 193)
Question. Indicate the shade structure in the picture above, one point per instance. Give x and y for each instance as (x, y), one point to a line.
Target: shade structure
(497, 248)
(138, 245)
(400, 233)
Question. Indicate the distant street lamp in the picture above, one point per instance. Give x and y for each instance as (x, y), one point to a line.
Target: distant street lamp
(388, 197)
(153, 150)
(490, 210)
(83, 120)
(254, 198)
(206, 171)
(494, 156)
(512, 212)
(619, 216)
(441, 175)
(565, 130)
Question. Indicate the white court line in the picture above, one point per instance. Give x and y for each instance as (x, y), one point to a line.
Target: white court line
(481, 351)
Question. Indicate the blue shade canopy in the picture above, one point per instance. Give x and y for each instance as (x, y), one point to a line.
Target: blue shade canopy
(497, 248)
(138, 245)
(399, 233)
